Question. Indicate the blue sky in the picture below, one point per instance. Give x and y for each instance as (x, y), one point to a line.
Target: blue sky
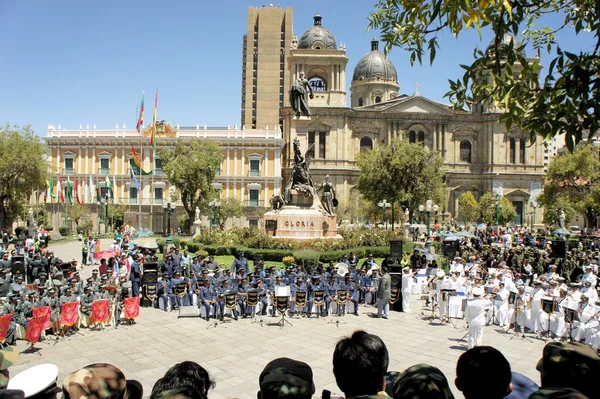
(87, 62)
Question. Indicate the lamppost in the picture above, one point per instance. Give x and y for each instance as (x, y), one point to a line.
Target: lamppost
(384, 205)
(534, 205)
(214, 207)
(498, 205)
(169, 207)
(427, 209)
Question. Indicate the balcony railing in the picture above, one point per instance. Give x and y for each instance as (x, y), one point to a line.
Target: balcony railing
(254, 173)
(133, 200)
(158, 201)
(68, 171)
(104, 171)
(253, 202)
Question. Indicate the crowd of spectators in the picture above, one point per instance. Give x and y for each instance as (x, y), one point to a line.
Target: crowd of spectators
(360, 367)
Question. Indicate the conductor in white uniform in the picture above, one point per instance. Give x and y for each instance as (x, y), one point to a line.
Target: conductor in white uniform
(475, 317)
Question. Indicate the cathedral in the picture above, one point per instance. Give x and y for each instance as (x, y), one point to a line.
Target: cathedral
(480, 155)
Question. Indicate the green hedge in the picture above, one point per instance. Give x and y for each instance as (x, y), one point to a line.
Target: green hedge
(308, 256)
(64, 230)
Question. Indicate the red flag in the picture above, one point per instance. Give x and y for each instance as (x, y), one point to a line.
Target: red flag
(76, 188)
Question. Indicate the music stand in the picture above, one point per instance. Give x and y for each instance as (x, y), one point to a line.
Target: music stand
(342, 299)
(433, 302)
(518, 330)
(548, 307)
(446, 294)
(281, 303)
(319, 303)
(571, 315)
(253, 302)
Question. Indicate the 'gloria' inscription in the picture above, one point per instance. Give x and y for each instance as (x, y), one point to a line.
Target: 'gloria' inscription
(299, 223)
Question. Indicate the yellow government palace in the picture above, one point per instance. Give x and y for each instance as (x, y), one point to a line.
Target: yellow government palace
(480, 155)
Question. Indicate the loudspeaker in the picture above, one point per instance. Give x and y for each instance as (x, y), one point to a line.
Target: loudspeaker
(450, 248)
(394, 269)
(397, 283)
(559, 249)
(396, 249)
(150, 273)
(17, 269)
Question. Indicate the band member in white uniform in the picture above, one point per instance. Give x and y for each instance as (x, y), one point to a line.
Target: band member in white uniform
(475, 317)
(586, 312)
(501, 303)
(407, 283)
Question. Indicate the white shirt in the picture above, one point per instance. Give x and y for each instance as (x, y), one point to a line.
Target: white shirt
(475, 311)
(407, 282)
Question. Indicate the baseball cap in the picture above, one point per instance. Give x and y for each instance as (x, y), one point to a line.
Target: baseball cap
(422, 380)
(284, 377)
(8, 357)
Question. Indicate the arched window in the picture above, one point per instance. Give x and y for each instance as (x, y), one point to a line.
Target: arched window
(377, 100)
(412, 137)
(421, 136)
(465, 151)
(361, 102)
(366, 144)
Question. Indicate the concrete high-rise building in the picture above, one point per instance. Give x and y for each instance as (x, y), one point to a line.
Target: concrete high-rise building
(265, 76)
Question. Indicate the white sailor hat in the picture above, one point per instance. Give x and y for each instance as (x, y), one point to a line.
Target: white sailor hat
(477, 291)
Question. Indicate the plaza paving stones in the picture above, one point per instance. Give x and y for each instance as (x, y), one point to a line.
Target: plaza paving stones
(236, 352)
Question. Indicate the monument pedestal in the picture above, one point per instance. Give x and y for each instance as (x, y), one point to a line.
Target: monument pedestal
(301, 219)
(197, 228)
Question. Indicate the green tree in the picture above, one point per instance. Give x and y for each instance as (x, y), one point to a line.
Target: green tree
(568, 98)
(116, 214)
(402, 173)
(468, 208)
(191, 167)
(77, 213)
(506, 210)
(573, 183)
(23, 169)
(230, 207)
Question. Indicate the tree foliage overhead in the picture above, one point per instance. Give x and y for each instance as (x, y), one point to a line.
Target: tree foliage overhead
(23, 169)
(568, 99)
(191, 166)
(573, 184)
(506, 210)
(402, 173)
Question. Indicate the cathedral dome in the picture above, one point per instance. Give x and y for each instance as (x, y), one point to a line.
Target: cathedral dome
(316, 37)
(375, 65)
(507, 41)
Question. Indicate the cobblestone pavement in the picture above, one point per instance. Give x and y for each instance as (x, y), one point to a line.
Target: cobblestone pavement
(236, 352)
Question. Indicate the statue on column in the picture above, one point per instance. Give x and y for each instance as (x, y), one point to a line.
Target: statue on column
(298, 96)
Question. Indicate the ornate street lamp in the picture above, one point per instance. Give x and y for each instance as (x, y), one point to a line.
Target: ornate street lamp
(384, 205)
(428, 209)
(169, 207)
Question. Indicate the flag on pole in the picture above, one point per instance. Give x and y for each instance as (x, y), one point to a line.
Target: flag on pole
(77, 199)
(135, 180)
(91, 190)
(137, 164)
(98, 194)
(115, 187)
(51, 189)
(152, 134)
(69, 187)
(110, 187)
(59, 190)
(140, 122)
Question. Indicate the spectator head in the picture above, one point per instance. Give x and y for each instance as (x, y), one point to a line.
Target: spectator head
(384, 269)
(184, 374)
(483, 372)
(569, 365)
(360, 363)
(100, 380)
(422, 381)
(286, 378)
(184, 392)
